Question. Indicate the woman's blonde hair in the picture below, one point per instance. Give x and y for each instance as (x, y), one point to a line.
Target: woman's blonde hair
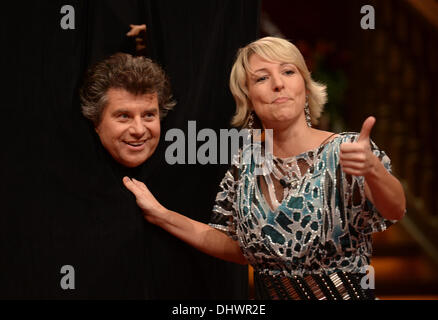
(271, 49)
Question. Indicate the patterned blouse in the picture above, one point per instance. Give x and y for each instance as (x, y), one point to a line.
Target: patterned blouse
(304, 216)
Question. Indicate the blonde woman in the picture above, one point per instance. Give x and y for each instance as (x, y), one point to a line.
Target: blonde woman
(305, 225)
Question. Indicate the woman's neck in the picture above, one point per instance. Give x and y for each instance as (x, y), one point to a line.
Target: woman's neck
(292, 141)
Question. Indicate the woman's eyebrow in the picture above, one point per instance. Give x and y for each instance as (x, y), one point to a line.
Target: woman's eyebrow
(281, 65)
(260, 70)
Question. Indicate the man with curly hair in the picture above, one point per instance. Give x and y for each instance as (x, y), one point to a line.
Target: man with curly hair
(126, 97)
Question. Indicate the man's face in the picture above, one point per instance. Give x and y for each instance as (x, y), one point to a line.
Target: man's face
(130, 126)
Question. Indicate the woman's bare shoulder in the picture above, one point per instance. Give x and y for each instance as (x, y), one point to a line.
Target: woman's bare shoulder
(325, 136)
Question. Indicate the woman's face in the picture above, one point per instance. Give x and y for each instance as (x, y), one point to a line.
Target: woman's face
(277, 92)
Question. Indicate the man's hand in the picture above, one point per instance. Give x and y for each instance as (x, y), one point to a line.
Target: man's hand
(356, 158)
(138, 32)
(135, 30)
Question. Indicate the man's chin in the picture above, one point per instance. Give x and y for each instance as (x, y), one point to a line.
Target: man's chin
(132, 163)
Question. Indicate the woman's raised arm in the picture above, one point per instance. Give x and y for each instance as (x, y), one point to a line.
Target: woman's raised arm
(381, 187)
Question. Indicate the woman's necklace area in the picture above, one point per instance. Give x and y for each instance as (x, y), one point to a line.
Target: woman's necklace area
(291, 171)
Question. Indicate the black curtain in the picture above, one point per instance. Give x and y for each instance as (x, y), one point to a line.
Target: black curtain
(63, 202)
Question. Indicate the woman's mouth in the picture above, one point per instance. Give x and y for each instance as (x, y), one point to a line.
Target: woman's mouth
(281, 100)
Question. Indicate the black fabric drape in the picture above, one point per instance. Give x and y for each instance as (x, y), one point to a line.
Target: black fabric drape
(63, 202)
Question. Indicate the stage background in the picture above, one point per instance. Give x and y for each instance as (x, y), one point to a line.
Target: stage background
(388, 72)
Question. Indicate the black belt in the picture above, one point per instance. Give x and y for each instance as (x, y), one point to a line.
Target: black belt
(336, 286)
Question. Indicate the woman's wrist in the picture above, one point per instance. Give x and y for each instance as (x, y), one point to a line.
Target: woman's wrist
(374, 170)
(157, 216)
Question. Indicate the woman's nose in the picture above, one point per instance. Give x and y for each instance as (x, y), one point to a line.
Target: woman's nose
(277, 83)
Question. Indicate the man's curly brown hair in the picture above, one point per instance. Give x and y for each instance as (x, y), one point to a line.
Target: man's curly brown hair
(137, 75)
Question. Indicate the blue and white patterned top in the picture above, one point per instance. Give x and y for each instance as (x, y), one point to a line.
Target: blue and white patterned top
(323, 224)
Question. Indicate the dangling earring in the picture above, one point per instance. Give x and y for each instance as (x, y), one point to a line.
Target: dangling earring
(307, 112)
(251, 121)
(251, 128)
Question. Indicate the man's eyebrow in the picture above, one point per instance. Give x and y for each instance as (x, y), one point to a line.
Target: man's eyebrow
(120, 111)
(152, 109)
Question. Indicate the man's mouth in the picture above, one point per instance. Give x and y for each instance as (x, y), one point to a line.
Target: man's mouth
(135, 143)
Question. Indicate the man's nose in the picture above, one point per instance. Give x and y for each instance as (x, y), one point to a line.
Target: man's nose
(138, 128)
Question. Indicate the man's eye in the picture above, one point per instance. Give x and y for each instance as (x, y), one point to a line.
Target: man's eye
(123, 116)
(149, 115)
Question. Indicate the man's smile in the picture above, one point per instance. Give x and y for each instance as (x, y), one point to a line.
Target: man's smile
(136, 145)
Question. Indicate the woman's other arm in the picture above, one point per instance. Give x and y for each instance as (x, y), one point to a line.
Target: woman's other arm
(381, 187)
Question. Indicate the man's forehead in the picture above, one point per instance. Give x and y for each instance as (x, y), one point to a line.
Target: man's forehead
(119, 97)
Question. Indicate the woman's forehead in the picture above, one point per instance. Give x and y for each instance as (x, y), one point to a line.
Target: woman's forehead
(257, 63)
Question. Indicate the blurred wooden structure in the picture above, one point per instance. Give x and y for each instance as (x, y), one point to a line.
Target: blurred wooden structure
(393, 76)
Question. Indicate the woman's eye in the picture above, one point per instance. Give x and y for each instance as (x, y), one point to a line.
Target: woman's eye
(260, 79)
(289, 72)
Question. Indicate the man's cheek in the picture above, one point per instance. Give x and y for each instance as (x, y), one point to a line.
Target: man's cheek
(158, 131)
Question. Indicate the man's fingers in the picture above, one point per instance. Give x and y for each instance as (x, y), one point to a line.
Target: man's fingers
(365, 132)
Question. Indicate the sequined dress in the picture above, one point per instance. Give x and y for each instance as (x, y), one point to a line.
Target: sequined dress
(303, 219)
